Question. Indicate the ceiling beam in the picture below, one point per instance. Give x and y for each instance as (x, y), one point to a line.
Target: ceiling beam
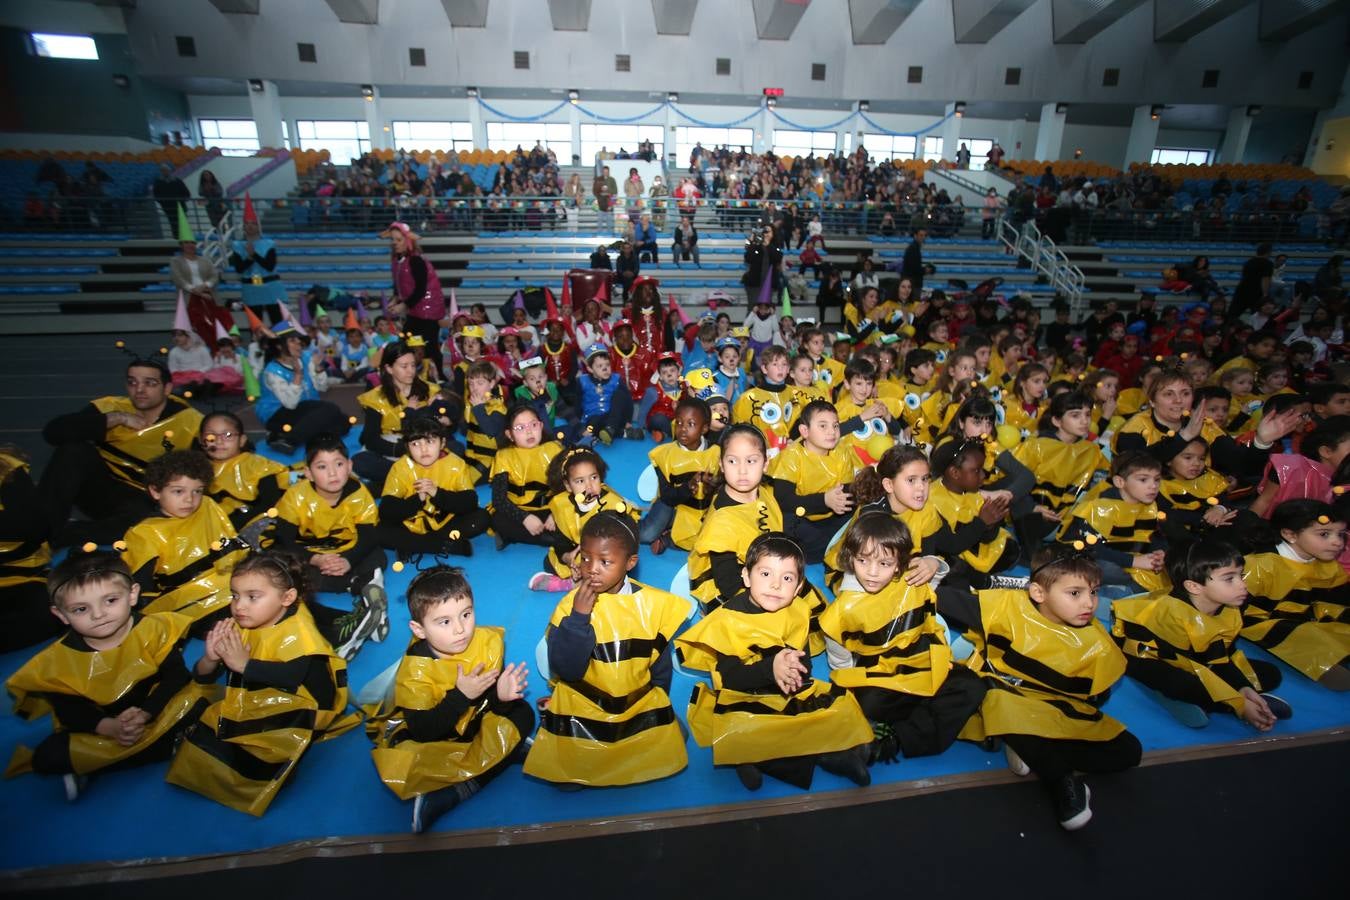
(238, 7)
(976, 21)
(674, 16)
(466, 13)
(570, 15)
(1180, 20)
(1284, 19)
(874, 21)
(356, 12)
(775, 20)
(1078, 21)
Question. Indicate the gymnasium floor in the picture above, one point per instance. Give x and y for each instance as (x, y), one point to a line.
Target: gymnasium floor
(336, 806)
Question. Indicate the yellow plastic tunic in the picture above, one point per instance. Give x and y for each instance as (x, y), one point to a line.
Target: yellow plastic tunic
(526, 474)
(482, 738)
(1194, 493)
(614, 726)
(678, 465)
(1016, 415)
(800, 396)
(1062, 471)
(449, 473)
(480, 448)
(324, 528)
(21, 562)
(246, 745)
(1044, 679)
(771, 411)
(125, 450)
(922, 523)
(812, 473)
(958, 509)
(236, 482)
(570, 516)
(1131, 401)
(1298, 611)
(865, 432)
(191, 576)
(115, 679)
(392, 414)
(895, 637)
(829, 373)
(1121, 525)
(935, 414)
(756, 727)
(1163, 627)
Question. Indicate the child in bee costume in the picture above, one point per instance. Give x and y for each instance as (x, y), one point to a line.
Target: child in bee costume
(1183, 644)
(429, 503)
(454, 719)
(577, 478)
(1299, 603)
(768, 405)
(115, 683)
(25, 609)
(764, 713)
(245, 485)
(685, 470)
(285, 689)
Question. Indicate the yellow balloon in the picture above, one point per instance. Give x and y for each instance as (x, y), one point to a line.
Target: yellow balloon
(877, 445)
(1009, 437)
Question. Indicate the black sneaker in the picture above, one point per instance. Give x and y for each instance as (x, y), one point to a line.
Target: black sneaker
(634, 433)
(74, 785)
(281, 445)
(850, 764)
(1071, 803)
(750, 776)
(886, 747)
(1279, 707)
(1336, 678)
(427, 808)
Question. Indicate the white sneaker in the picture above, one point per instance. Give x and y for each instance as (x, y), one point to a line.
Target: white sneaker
(1008, 582)
(1016, 764)
(74, 785)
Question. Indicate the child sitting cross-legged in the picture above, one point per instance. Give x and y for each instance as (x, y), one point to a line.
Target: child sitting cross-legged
(285, 688)
(686, 470)
(606, 406)
(1050, 665)
(812, 480)
(429, 503)
(887, 645)
(609, 720)
(577, 480)
(1183, 644)
(764, 713)
(519, 480)
(1124, 516)
(455, 718)
(115, 683)
(245, 484)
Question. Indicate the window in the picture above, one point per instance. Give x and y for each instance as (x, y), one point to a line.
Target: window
(445, 136)
(884, 148)
(614, 137)
(979, 148)
(817, 71)
(186, 46)
(623, 62)
(417, 56)
(1012, 76)
(1210, 79)
(916, 74)
(64, 46)
(285, 134)
(803, 143)
(733, 138)
(234, 137)
(1305, 81)
(723, 65)
(344, 140)
(1110, 77)
(932, 148)
(521, 59)
(1173, 156)
(510, 135)
(307, 52)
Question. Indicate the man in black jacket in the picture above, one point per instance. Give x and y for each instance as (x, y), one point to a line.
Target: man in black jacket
(912, 265)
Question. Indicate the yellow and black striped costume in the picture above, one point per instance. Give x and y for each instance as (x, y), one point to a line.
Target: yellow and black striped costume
(771, 410)
(959, 509)
(247, 744)
(812, 473)
(677, 465)
(481, 739)
(244, 483)
(192, 560)
(21, 561)
(614, 726)
(1016, 415)
(570, 515)
(1298, 611)
(743, 727)
(895, 637)
(1044, 679)
(829, 374)
(125, 451)
(324, 528)
(115, 680)
(1165, 628)
(1192, 495)
(392, 414)
(526, 472)
(449, 473)
(1122, 525)
(922, 523)
(480, 448)
(1063, 471)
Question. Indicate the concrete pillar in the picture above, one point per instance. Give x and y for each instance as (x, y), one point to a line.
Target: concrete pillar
(1050, 133)
(1235, 137)
(1143, 137)
(480, 140)
(265, 106)
(764, 130)
(668, 126)
(950, 133)
(574, 125)
(379, 138)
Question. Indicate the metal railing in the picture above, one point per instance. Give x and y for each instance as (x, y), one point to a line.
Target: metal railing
(1081, 226)
(1046, 258)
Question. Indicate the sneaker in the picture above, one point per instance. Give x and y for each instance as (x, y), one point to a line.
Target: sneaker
(1071, 803)
(750, 776)
(457, 547)
(550, 583)
(281, 445)
(658, 437)
(633, 433)
(604, 436)
(658, 546)
(375, 595)
(1279, 707)
(74, 785)
(1008, 582)
(1016, 764)
(886, 746)
(427, 808)
(850, 764)
(357, 626)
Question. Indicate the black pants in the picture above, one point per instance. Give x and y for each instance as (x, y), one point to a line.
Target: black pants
(309, 419)
(372, 468)
(963, 574)
(405, 543)
(77, 476)
(270, 312)
(814, 536)
(513, 532)
(620, 414)
(1179, 685)
(926, 726)
(52, 756)
(521, 716)
(26, 616)
(1054, 758)
(430, 331)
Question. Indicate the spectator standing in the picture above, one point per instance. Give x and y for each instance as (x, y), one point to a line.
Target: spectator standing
(169, 191)
(417, 288)
(1254, 284)
(210, 190)
(604, 188)
(911, 266)
(963, 157)
(254, 259)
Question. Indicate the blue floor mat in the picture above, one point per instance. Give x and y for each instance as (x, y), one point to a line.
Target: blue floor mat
(335, 790)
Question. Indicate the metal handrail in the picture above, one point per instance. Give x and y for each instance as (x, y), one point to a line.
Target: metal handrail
(1046, 259)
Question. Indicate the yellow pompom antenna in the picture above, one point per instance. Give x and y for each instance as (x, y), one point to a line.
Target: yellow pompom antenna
(1323, 520)
(89, 547)
(440, 410)
(187, 395)
(1091, 539)
(1184, 357)
(163, 351)
(251, 399)
(580, 496)
(119, 546)
(454, 535)
(209, 438)
(217, 545)
(560, 435)
(1212, 501)
(1157, 359)
(974, 383)
(1079, 546)
(401, 414)
(168, 435)
(286, 427)
(620, 507)
(1338, 489)
(351, 420)
(271, 512)
(397, 566)
(801, 510)
(1170, 433)
(120, 345)
(1162, 516)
